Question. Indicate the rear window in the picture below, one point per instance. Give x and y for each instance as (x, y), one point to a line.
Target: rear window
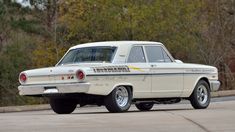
(89, 54)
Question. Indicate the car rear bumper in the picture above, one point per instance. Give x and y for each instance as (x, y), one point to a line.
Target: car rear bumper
(215, 85)
(53, 88)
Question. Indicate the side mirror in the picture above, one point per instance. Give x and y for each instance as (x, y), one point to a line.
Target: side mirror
(179, 61)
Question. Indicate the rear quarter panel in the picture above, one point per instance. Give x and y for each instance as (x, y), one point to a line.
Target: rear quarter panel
(103, 83)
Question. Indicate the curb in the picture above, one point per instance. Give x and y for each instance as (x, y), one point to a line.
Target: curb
(9, 109)
(223, 93)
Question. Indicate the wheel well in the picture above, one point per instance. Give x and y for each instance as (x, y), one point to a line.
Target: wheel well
(129, 86)
(206, 80)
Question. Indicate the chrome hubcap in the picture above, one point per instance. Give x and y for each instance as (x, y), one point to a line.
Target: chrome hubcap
(202, 94)
(121, 96)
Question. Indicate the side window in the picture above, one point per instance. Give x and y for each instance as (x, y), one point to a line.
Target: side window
(166, 57)
(136, 55)
(154, 54)
(157, 54)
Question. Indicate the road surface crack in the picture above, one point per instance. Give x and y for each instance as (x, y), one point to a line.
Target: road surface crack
(190, 120)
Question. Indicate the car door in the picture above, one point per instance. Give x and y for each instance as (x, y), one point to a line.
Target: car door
(167, 75)
(139, 76)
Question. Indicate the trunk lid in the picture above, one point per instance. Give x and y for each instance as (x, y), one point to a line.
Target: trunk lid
(51, 75)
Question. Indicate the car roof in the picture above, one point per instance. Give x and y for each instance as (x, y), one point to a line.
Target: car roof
(115, 43)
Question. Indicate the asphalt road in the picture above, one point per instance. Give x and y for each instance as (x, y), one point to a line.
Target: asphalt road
(219, 117)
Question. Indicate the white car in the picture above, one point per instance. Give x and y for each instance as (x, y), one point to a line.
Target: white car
(117, 74)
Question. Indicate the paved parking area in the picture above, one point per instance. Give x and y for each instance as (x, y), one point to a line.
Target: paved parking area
(219, 117)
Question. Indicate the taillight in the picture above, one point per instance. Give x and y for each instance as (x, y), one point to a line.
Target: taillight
(80, 75)
(22, 78)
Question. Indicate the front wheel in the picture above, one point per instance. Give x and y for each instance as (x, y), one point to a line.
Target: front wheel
(200, 98)
(63, 106)
(119, 100)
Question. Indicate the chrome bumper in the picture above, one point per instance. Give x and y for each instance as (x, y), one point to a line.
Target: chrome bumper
(53, 88)
(215, 85)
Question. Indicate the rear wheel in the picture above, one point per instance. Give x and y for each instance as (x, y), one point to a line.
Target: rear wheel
(119, 100)
(63, 106)
(144, 106)
(200, 98)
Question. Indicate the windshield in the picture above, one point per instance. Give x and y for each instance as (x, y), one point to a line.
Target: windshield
(89, 54)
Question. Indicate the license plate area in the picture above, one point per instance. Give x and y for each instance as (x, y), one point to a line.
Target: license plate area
(50, 87)
(50, 90)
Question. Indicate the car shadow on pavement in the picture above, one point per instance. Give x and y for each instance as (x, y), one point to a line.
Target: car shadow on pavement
(132, 111)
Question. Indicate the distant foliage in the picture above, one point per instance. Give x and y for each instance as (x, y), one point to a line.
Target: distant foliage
(45, 52)
(172, 22)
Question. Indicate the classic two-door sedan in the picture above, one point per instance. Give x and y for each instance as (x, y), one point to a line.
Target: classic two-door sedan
(117, 74)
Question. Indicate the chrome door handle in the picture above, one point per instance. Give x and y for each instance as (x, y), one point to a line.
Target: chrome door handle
(153, 65)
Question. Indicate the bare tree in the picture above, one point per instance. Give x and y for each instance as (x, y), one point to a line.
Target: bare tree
(217, 38)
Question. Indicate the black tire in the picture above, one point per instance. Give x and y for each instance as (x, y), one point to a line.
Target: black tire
(111, 101)
(197, 99)
(144, 106)
(63, 106)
